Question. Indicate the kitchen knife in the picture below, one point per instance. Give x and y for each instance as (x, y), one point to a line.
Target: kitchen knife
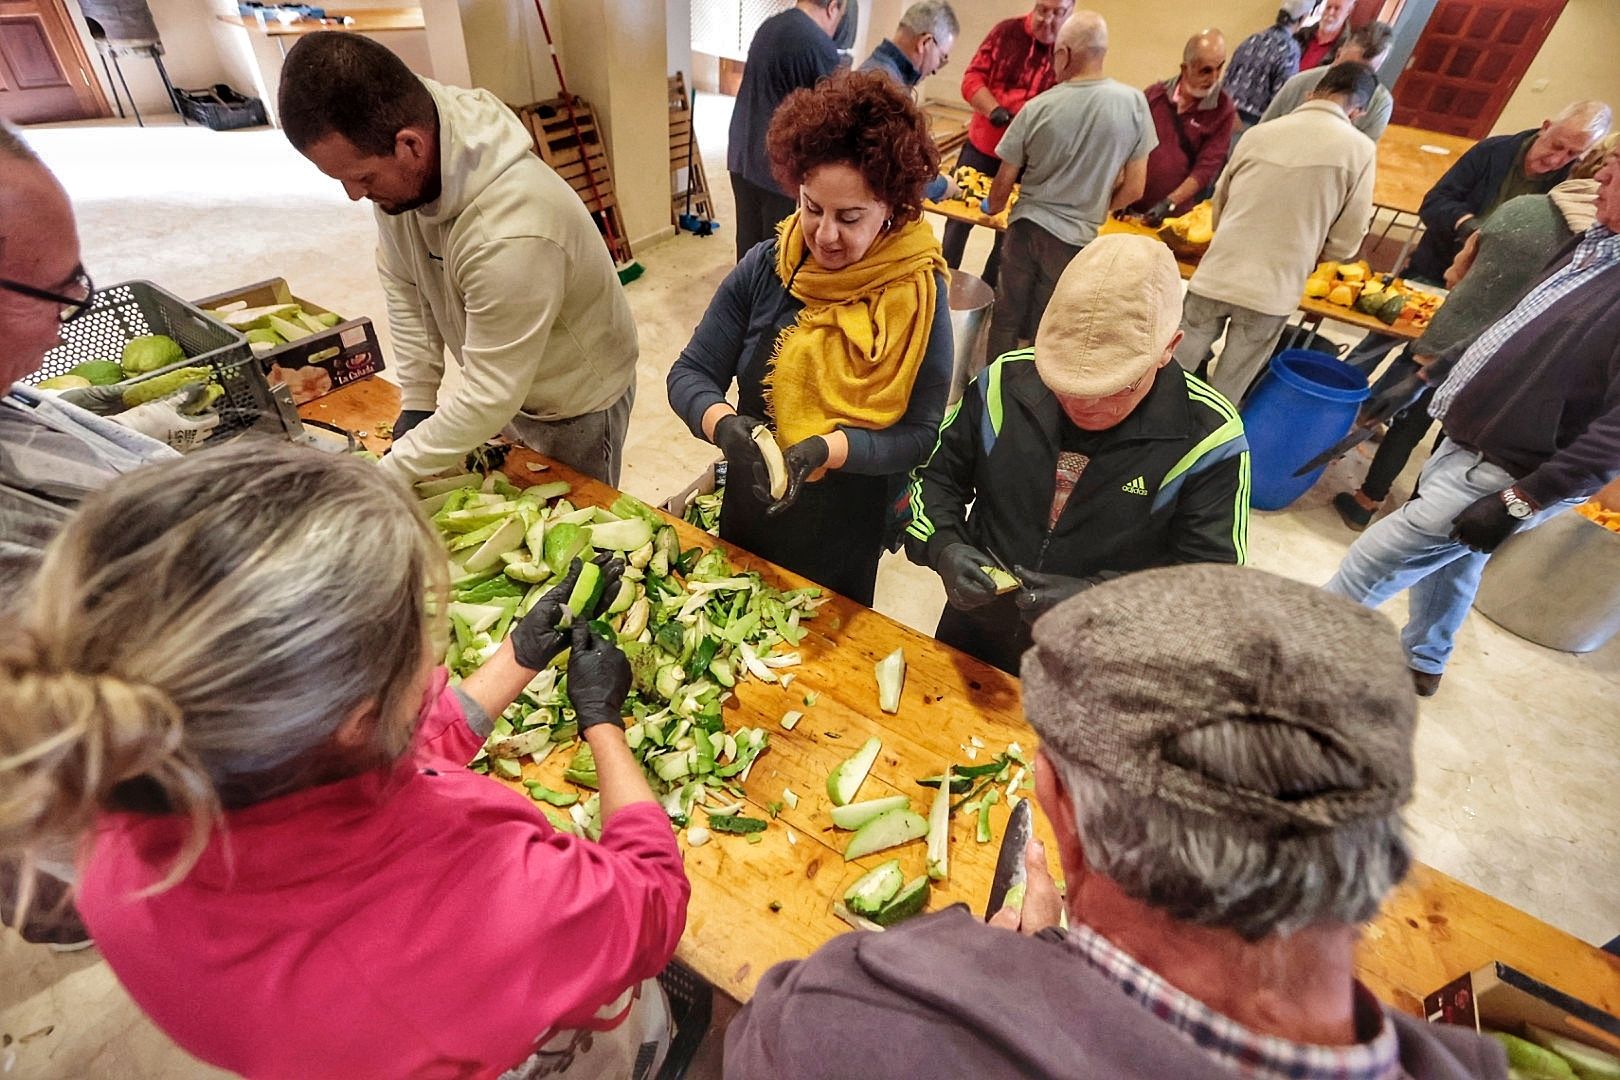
(1010, 872)
(1337, 450)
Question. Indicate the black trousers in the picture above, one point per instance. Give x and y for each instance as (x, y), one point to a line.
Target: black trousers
(995, 633)
(1035, 261)
(758, 212)
(956, 232)
(1405, 432)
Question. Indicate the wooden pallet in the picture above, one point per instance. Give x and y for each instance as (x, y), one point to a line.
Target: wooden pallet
(580, 159)
(685, 158)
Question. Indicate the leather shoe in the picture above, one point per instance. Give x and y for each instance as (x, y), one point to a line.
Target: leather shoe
(1351, 512)
(1426, 683)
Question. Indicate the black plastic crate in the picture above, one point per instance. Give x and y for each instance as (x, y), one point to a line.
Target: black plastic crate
(120, 313)
(222, 109)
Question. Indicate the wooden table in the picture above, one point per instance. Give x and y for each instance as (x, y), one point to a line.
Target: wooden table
(1410, 162)
(1406, 171)
(1430, 931)
(1314, 309)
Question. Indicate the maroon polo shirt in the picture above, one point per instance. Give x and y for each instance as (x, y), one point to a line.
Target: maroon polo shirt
(1191, 143)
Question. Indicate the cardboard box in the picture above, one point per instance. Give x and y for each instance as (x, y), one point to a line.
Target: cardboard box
(1500, 998)
(312, 366)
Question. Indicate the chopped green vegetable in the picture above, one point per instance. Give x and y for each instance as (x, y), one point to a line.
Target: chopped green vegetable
(912, 898)
(845, 780)
(540, 793)
(991, 797)
(891, 680)
(854, 815)
(887, 830)
(875, 888)
(741, 825)
(790, 719)
(162, 386)
(939, 831)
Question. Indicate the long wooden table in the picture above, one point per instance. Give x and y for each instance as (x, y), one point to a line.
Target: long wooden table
(1410, 162)
(756, 904)
(1314, 310)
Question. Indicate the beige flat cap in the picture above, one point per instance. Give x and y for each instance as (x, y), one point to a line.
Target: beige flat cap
(1114, 310)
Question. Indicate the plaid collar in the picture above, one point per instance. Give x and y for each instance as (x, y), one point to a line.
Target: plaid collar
(1236, 1048)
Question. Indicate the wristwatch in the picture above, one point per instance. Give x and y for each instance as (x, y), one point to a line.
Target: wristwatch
(1517, 505)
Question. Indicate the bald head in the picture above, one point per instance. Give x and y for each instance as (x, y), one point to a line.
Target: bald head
(1081, 46)
(1564, 138)
(39, 247)
(1203, 62)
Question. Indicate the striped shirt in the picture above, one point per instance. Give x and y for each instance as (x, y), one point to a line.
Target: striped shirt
(1233, 1046)
(1598, 250)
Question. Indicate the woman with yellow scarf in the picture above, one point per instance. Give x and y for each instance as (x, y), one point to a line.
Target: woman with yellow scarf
(836, 333)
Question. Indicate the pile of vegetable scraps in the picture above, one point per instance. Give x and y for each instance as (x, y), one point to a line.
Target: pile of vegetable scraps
(691, 625)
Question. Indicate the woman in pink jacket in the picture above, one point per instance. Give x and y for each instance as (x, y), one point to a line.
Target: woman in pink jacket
(226, 683)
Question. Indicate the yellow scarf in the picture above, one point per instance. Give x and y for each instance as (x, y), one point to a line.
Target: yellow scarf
(852, 356)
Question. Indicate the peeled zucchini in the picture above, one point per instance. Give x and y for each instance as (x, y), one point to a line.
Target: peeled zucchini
(774, 464)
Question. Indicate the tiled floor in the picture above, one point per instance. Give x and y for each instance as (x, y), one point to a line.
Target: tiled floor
(1518, 771)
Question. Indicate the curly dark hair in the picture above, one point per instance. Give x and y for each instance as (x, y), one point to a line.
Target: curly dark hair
(863, 120)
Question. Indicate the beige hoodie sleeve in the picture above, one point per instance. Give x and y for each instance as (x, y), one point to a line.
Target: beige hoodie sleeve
(1350, 228)
(418, 345)
(513, 289)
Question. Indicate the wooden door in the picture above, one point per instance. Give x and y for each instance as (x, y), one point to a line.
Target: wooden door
(1469, 61)
(44, 72)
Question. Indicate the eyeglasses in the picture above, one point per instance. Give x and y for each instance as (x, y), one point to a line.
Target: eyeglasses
(71, 307)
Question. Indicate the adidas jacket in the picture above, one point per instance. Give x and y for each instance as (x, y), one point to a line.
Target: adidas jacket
(1168, 485)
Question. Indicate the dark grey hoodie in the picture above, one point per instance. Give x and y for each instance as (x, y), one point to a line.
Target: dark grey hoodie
(947, 996)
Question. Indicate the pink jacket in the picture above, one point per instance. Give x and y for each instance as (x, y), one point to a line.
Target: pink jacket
(421, 921)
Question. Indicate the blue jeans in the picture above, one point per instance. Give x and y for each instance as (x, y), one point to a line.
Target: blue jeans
(1412, 549)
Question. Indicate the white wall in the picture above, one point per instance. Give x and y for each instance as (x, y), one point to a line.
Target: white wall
(1577, 61)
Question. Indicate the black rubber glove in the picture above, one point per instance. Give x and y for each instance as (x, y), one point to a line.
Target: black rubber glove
(1485, 523)
(1000, 117)
(1394, 401)
(539, 636)
(734, 435)
(961, 568)
(1040, 593)
(598, 679)
(1158, 212)
(802, 459)
(409, 418)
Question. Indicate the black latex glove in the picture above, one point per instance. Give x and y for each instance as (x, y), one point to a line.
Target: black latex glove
(1040, 593)
(1000, 117)
(1468, 228)
(409, 418)
(961, 568)
(734, 435)
(1158, 212)
(802, 459)
(1392, 402)
(598, 679)
(539, 636)
(1484, 524)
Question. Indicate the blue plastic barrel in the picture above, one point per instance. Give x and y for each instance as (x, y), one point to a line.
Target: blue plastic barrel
(1307, 401)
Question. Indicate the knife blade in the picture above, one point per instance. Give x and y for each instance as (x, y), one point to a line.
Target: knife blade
(998, 560)
(1337, 450)
(1010, 871)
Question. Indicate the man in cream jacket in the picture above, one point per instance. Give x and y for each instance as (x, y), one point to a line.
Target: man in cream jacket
(481, 247)
(1297, 189)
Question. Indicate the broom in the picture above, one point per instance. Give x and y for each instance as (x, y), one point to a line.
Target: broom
(623, 261)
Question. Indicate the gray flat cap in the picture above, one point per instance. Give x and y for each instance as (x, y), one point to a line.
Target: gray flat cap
(1121, 671)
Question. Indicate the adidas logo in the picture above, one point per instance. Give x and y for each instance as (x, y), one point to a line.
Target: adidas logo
(1135, 487)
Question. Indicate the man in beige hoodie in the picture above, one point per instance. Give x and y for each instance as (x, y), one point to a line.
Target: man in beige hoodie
(481, 247)
(1296, 190)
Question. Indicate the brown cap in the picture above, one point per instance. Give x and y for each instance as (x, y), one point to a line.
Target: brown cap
(1119, 672)
(1114, 310)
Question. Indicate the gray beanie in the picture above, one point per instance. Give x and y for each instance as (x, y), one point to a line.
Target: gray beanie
(1118, 673)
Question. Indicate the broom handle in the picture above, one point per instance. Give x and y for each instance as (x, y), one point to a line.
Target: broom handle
(614, 242)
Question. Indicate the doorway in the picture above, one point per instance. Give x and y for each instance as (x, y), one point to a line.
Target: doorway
(1468, 62)
(44, 72)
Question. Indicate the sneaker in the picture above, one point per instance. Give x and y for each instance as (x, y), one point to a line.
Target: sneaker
(1351, 512)
(1426, 683)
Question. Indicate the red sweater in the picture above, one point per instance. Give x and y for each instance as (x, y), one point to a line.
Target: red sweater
(422, 921)
(1014, 67)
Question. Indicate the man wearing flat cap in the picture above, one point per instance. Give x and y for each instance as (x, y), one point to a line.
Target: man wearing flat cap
(1226, 810)
(1083, 457)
